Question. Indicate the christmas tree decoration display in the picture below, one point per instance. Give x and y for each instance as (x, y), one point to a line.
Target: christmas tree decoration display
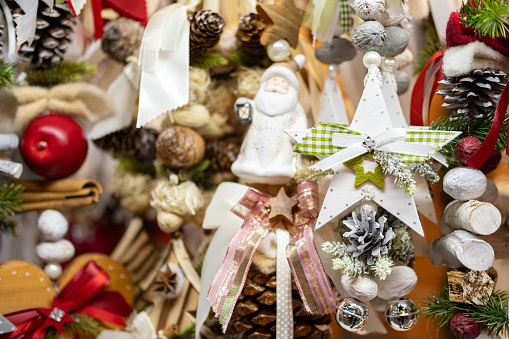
(394, 148)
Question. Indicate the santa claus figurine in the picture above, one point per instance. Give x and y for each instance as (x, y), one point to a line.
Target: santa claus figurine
(266, 155)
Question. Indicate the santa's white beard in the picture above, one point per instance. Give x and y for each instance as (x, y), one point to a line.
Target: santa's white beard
(272, 103)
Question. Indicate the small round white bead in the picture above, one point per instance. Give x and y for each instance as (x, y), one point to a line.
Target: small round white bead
(279, 50)
(332, 71)
(53, 271)
(372, 58)
(389, 64)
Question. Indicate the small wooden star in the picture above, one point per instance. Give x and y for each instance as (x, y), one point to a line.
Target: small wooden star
(282, 21)
(362, 176)
(281, 207)
(166, 282)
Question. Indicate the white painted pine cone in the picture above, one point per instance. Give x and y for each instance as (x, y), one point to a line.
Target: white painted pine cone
(53, 225)
(55, 252)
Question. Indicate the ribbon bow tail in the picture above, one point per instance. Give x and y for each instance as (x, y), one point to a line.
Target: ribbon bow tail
(309, 275)
(231, 277)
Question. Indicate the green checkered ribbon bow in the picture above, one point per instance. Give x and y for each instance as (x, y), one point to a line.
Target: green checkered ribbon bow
(319, 142)
(345, 16)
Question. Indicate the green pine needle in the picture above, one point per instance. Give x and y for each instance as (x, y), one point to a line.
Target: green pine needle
(425, 54)
(478, 128)
(83, 326)
(10, 203)
(207, 60)
(249, 60)
(68, 71)
(188, 333)
(7, 71)
(492, 315)
(487, 17)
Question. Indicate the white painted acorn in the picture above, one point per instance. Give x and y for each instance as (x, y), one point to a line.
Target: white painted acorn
(400, 282)
(362, 288)
(53, 225)
(55, 252)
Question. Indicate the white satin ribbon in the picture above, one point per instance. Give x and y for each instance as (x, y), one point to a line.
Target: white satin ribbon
(392, 140)
(164, 62)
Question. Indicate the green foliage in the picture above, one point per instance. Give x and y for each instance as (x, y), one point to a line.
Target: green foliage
(10, 203)
(492, 315)
(249, 60)
(7, 71)
(402, 247)
(188, 333)
(68, 71)
(478, 128)
(425, 54)
(83, 325)
(58, 2)
(488, 17)
(134, 165)
(207, 60)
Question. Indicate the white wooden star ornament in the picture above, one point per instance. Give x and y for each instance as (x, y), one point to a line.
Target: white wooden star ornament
(370, 131)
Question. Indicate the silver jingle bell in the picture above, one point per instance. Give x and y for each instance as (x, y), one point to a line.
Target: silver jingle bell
(401, 314)
(352, 314)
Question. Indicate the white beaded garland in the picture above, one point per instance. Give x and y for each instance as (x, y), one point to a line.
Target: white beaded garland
(389, 64)
(53, 271)
(279, 50)
(372, 59)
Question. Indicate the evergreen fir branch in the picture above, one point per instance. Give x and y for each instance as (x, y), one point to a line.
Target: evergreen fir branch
(7, 71)
(10, 203)
(426, 53)
(134, 165)
(487, 17)
(51, 333)
(188, 333)
(478, 128)
(68, 71)
(84, 325)
(492, 315)
(248, 60)
(207, 60)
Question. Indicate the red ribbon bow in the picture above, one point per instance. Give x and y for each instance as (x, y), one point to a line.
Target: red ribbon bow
(84, 294)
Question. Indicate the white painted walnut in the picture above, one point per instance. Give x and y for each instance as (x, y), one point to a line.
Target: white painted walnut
(55, 252)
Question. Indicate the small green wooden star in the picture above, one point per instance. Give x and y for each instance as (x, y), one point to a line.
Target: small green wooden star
(361, 175)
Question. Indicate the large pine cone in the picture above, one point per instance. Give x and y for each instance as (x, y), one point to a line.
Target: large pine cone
(251, 27)
(130, 142)
(53, 34)
(223, 152)
(180, 147)
(255, 312)
(205, 31)
(122, 37)
(475, 94)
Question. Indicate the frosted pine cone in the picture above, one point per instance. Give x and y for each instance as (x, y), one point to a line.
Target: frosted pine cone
(369, 238)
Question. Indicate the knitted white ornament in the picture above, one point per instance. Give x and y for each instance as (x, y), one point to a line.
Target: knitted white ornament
(369, 9)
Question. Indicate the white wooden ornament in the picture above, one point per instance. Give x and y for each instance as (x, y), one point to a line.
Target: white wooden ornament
(6, 326)
(474, 216)
(461, 249)
(55, 252)
(52, 224)
(332, 106)
(491, 193)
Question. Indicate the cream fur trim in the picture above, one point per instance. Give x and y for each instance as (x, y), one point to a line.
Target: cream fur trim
(475, 55)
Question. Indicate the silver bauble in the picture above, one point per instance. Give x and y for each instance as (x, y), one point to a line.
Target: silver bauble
(352, 314)
(401, 314)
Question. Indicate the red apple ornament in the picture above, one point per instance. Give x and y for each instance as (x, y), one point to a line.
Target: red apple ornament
(53, 146)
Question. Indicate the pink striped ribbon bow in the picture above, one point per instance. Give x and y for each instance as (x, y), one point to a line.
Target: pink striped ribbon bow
(306, 266)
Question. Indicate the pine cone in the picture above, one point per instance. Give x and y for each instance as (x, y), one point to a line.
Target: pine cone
(122, 37)
(205, 31)
(222, 153)
(250, 29)
(475, 94)
(130, 142)
(53, 34)
(369, 238)
(255, 312)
